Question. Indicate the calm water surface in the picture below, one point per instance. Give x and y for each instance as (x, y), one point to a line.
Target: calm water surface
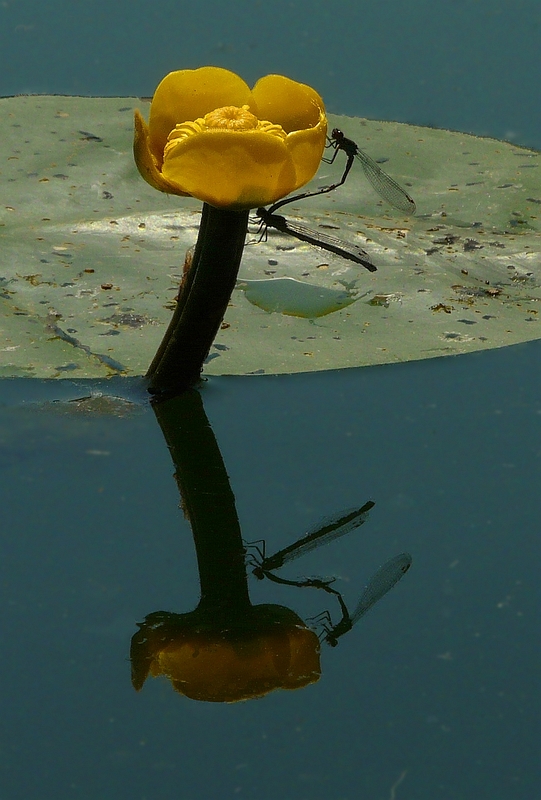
(437, 686)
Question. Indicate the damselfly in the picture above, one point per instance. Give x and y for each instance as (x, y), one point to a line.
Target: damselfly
(333, 528)
(387, 188)
(316, 238)
(379, 584)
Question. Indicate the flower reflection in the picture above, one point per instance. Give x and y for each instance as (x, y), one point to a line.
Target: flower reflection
(226, 658)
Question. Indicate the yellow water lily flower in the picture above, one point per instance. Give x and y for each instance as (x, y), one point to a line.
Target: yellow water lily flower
(212, 137)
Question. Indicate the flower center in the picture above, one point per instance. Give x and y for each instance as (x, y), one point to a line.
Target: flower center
(228, 118)
(233, 118)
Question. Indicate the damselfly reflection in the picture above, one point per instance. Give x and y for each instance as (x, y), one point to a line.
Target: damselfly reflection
(379, 584)
(317, 238)
(331, 529)
(387, 188)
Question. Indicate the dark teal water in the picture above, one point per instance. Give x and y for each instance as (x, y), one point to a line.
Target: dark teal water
(440, 681)
(435, 694)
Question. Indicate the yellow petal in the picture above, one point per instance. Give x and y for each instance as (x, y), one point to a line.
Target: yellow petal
(188, 94)
(306, 149)
(295, 106)
(231, 169)
(145, 161)
(300, 111)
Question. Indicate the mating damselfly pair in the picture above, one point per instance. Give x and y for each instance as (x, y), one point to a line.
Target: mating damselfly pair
(381, 582)
(385, 186)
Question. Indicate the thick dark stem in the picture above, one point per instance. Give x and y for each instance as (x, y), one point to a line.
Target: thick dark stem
(202, 302)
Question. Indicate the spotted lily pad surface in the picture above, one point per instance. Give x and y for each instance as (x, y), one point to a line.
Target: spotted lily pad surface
(92, 256)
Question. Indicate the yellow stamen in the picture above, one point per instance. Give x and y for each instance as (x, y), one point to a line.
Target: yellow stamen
(232, 118)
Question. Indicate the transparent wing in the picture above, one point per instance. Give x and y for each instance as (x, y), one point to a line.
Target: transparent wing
(385, 186)
(317, 238)
(331, 243)
(332, 528)
(380, 583)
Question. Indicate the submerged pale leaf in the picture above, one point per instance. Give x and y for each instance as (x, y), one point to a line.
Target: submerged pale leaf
(296, 298)
(92, 257)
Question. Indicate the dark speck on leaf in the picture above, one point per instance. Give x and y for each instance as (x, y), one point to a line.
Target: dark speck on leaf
(128, 320)
(90, 137)
(449, 239)
(472, 244)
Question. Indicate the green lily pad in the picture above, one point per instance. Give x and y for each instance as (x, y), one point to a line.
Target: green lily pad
(92, 255)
